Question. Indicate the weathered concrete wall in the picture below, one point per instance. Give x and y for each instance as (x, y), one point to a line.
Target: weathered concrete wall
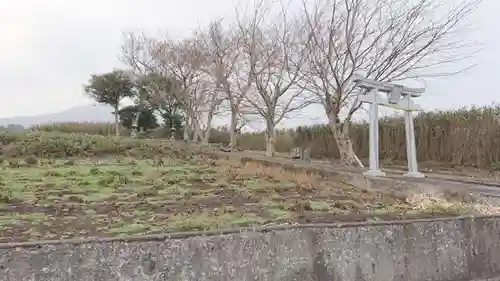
(459, 249)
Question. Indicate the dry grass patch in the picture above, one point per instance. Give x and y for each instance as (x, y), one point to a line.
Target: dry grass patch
(335, 192)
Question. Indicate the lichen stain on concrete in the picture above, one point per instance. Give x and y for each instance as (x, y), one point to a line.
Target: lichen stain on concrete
(464, 249)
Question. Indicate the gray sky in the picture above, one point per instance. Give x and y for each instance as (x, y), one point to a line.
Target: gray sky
(49, 48)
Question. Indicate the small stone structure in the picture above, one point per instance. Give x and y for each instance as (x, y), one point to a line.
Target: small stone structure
(301, 153)
(464, 249)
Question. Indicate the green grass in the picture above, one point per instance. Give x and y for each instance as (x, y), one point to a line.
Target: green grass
(118, 196)
(113, 197)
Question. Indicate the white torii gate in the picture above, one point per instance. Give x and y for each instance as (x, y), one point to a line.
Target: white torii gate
(398, 97)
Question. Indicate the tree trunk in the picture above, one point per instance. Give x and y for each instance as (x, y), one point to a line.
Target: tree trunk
(199, 135)
(270, 139)
(140, 107)
(233, 136)
(206, 133)
(135, 124)
(196, 130)
(206, 137)
(117, 122)
(186, 129)
(344, 143)
(347, 155)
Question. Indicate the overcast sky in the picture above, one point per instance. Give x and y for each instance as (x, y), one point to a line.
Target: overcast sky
(49, 48)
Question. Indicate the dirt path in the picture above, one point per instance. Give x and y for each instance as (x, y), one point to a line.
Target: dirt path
(481, 186)
(431, 170)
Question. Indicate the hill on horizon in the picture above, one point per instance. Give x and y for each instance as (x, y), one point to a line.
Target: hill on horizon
(86, 113)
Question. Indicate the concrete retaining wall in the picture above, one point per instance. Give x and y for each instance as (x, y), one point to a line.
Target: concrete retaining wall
(424, 250)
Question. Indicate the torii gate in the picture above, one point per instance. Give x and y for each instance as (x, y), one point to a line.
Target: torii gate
(398, 97)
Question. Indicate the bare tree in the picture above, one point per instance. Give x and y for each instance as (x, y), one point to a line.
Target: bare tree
(224, 64)
(136, 53)
(184, 60)
(209, 109)
(387, 40)
(274, 53)
(208, 104)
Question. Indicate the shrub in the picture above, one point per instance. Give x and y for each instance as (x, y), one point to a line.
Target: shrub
(63, 145)
(104, 129)
(31, 160)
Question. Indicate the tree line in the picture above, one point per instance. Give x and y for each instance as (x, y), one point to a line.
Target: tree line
(276, 59)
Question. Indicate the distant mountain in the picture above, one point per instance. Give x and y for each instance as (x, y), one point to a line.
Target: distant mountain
(87, 113)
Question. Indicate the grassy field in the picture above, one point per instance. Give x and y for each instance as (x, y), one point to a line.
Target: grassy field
(121, 195)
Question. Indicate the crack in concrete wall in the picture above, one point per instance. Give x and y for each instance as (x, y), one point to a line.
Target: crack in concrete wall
(460, 249)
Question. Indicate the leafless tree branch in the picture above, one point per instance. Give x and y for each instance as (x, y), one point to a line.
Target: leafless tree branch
(388, 40)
